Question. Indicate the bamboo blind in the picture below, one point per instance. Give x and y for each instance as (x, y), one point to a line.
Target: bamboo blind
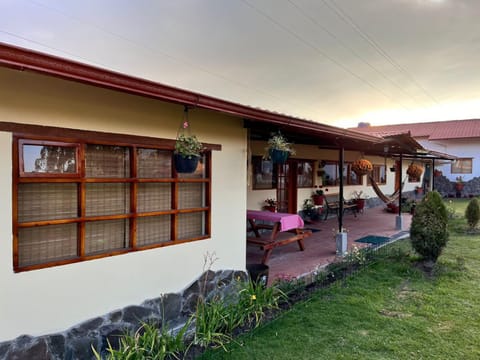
(46, 243)
(46, 201)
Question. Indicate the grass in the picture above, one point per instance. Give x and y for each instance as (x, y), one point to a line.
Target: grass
(391, 310)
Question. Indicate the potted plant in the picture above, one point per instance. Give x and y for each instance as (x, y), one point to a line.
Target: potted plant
(459, 183)
(359, 199)
(414, 171)
(279, 149)
(309, 211)
(187, 153)
(270, 205)
(317, 197)
(362, 167)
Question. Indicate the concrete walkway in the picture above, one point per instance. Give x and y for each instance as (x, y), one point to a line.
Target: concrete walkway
(320, 250)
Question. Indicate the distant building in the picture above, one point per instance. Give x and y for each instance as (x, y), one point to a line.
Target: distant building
(456, 137)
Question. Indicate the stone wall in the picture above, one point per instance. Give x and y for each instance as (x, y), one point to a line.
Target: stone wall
(447, 188)
(76, 342)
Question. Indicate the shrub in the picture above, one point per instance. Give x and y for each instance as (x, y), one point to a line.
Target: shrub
(472, 213)
(428, 232)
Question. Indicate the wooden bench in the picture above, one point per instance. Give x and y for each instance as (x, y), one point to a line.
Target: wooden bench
(267, 244)
(332, 205)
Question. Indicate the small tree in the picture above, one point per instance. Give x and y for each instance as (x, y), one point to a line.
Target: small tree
(428, 232)
(472, 213)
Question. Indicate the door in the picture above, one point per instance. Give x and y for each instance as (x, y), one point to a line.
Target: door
(287, 187)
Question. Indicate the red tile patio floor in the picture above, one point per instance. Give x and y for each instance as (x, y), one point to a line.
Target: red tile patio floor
(288, 260)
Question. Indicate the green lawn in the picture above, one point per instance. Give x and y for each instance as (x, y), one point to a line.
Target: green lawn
(390, 310)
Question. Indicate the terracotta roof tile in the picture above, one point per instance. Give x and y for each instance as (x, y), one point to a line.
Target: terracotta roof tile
(437, 130)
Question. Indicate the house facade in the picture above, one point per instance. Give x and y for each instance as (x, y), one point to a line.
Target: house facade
(457, 137)
(94, 216)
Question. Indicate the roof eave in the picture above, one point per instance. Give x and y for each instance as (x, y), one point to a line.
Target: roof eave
(29, 60)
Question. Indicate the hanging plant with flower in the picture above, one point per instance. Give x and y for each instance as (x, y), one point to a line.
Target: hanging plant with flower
(414, 171)
(187, 148)
(362, 167)
(278, 149)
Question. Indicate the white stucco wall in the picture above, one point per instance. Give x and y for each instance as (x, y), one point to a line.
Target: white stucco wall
(54, 299)
(463, 148)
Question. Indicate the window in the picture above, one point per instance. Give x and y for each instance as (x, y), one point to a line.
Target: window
(331, 177)
(350, 177)
(379, 174)
(264, 174)
(304, 174)
(78, 201)
(462, 166)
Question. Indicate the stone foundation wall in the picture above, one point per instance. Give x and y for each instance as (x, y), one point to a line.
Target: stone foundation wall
(447, 188)
(76, 342)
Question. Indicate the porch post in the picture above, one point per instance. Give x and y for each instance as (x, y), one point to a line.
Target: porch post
(399, 220)
(433, 174)
(341, 164)
(341, 239)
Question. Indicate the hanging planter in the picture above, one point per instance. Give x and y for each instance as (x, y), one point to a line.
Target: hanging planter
(362, 167)
(187, 149)
(279, 149)
(414, 171)
(184, 164)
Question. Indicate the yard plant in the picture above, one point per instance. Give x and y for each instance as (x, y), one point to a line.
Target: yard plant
(428, 232)
(472, 213)
(390, 310)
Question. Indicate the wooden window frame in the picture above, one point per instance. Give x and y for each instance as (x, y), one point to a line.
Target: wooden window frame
(19, 177)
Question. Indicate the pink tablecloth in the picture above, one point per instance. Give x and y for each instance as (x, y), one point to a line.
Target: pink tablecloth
(287, 221)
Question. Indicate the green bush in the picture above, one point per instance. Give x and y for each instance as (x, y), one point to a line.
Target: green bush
(472, 213)
(428, 232)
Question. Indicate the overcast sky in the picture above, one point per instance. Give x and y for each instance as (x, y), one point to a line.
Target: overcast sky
(333, 61)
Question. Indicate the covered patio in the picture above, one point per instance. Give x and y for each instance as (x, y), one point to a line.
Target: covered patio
(320, 247)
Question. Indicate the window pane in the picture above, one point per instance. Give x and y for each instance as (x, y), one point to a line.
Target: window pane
(191, 225)
(103, 161)
(263, 173)
(462, 166)
(49, 159)
(351, 177)
(154, 163)
(43, 244)
(153, 230)
(107, 199)
(331, 174)
(103, 236)
(154, 197)
(305, 174)
(47, 201)
(191, 195)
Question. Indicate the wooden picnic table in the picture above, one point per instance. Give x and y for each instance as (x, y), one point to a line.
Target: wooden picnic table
(285, 228)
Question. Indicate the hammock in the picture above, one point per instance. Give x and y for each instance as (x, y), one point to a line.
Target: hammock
(385, 198)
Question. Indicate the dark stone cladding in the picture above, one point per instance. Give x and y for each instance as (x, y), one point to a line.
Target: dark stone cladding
(76, 343)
